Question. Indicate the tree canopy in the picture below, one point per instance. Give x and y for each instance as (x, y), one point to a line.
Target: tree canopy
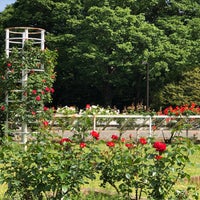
(184, 92)
(104, 46)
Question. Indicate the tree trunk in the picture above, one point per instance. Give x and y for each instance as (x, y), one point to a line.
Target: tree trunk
(107, 94)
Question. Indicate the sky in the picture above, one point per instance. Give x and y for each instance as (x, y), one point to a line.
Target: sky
(4, 3)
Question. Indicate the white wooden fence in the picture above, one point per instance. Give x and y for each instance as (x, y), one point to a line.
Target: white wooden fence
(138, 122)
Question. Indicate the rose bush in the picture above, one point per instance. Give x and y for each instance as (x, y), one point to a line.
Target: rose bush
(55, 168)
(145, 167)
(50, 168)
(192, 109)
(26, 79)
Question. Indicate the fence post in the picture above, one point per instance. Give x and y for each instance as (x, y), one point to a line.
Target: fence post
(150, 125)
(94, 122)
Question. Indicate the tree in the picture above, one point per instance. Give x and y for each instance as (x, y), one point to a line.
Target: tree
(104, 46)
(185, 92)
(112, 47)
(107, 53)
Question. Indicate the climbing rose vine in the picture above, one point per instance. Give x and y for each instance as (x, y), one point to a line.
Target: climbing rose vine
(26, 101)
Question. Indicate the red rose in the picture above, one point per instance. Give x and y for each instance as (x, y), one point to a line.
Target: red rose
(31, 71)
(33, 113)
(38, 98)
(158, 157)
(47, 89)
(3, 108)
(34, 91)
(52, 90)
(166, 111)
(159, 146)
(45, 108)
(82, 145)
(64, 140)
(129, 145)
(9, 64)
(87, 106)
(154, 127)
(95, 134)
(45, 123)
(114, 137)
(159, 113)
(123, 140)
(142, 141)
(110, 144)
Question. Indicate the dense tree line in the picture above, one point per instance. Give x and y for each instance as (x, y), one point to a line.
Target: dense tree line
(105, 48)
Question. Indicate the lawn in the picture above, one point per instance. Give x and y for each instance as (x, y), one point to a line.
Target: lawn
(194, 168)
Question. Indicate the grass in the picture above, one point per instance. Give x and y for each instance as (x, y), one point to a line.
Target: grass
(97, 196)
(193, 168)
(3, 189)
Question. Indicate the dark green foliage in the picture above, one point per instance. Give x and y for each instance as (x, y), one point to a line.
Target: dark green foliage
(185, 91)
(104, 46)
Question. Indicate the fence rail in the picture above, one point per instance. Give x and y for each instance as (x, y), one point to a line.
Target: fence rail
(138, 122)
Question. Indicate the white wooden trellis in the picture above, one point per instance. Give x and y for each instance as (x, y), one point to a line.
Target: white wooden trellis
(15, 38)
